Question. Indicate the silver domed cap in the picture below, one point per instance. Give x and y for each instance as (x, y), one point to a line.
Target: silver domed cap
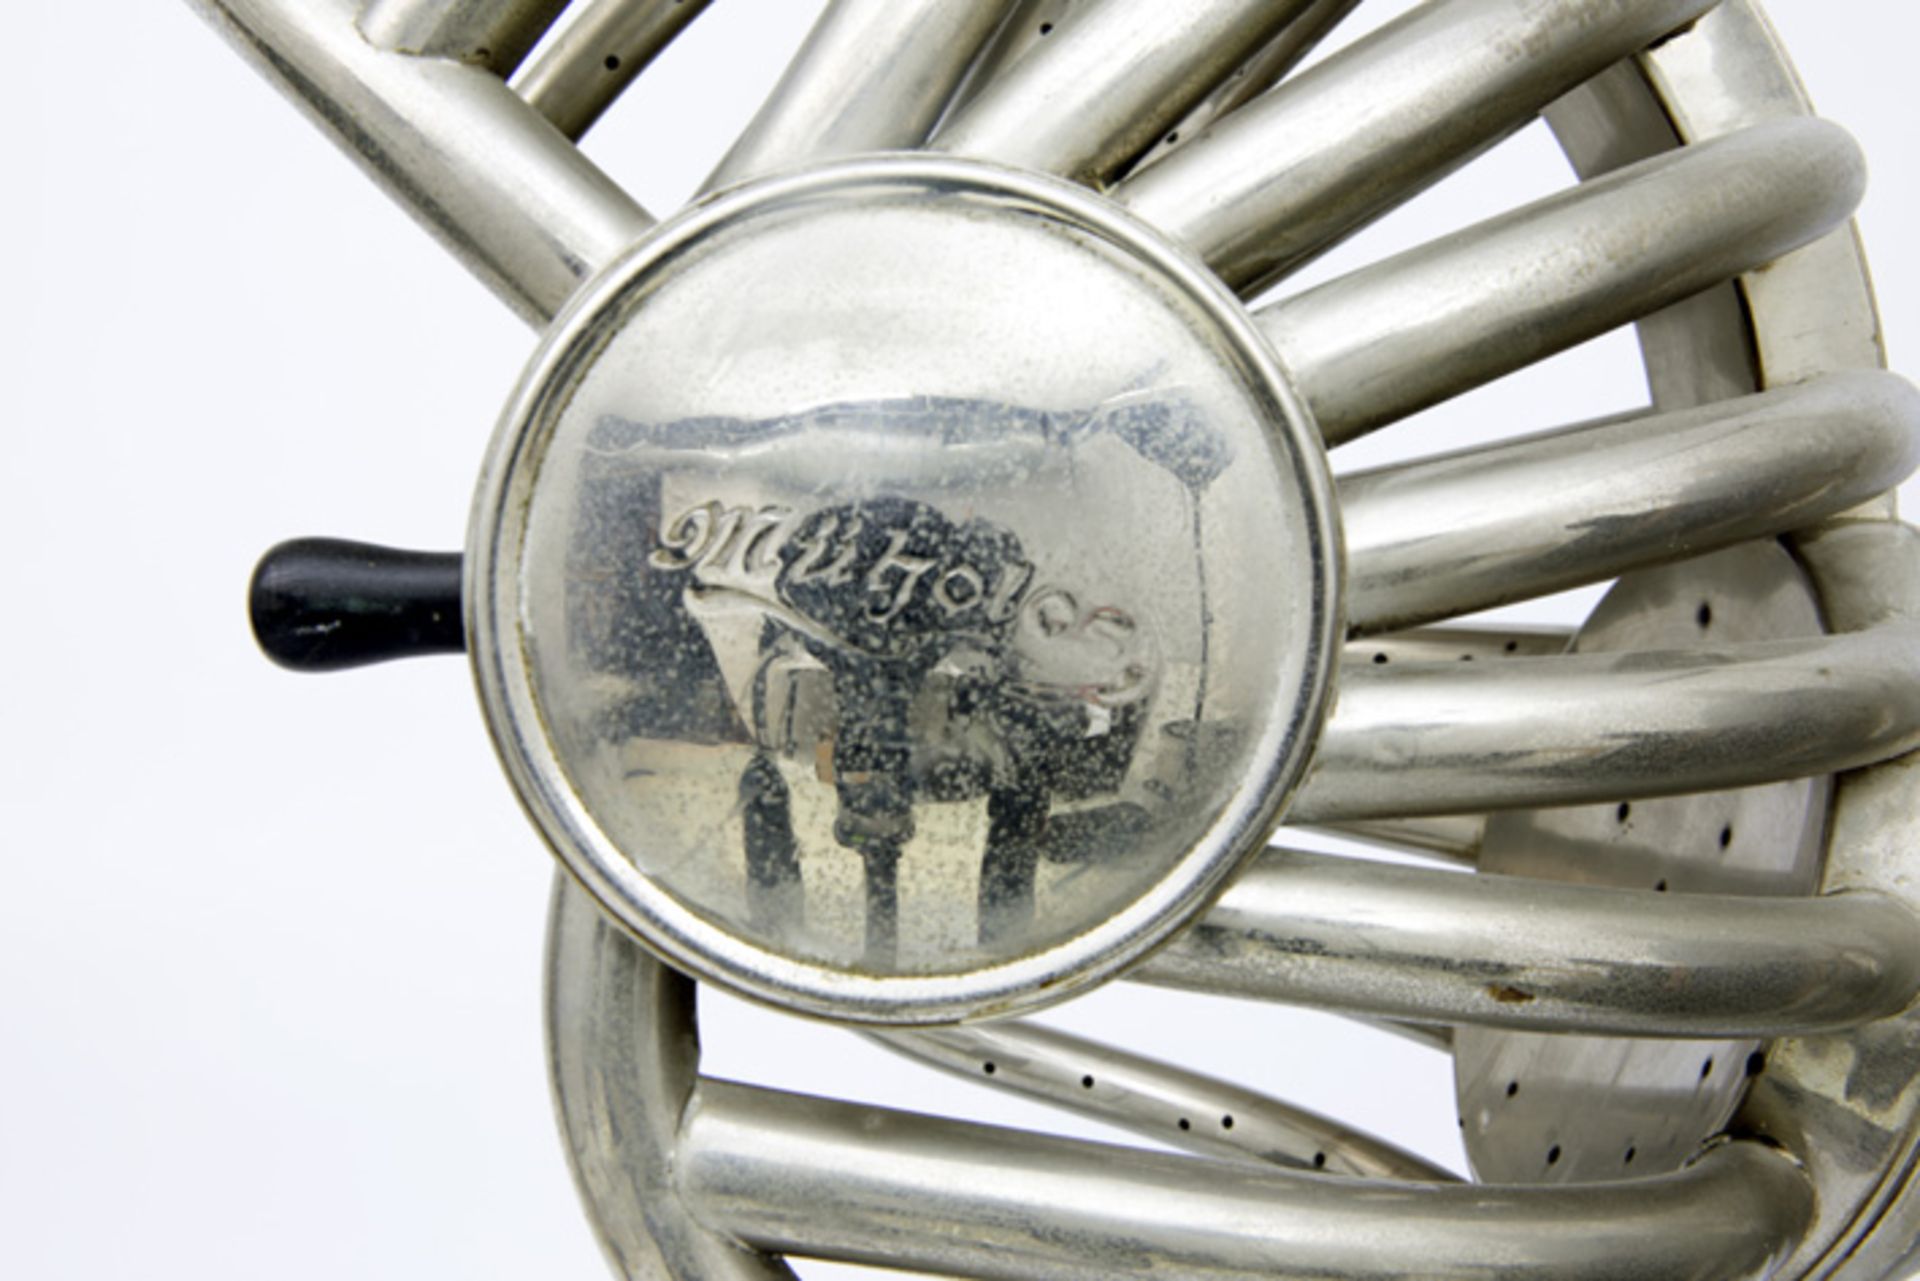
(904, 590)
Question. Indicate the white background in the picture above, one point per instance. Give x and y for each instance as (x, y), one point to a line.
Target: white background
(269, 945)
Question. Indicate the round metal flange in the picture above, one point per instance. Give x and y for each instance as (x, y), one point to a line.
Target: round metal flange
(862, 594)
(1577, 1109)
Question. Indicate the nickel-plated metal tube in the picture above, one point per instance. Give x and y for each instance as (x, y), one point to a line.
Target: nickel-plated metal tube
(1463, 738)
(1319, 157)
(1099, 91)
(478, 168)
(1451, 644)
(624, 1058)
(1471, 530)
(495, 34)
(591, 61)
(1501, 951)
(1028, 24)
(873, 75)
(836, 1180)
(1390, 339)
(1171, 1104)
(1259, 73)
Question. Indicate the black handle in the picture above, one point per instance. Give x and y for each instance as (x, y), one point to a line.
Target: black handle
(321, 604)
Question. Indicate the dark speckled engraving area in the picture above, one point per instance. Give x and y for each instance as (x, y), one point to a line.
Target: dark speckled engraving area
(913, 589)
(839, 693)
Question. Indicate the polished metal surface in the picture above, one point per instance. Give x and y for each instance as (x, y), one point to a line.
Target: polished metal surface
(1459, 738)
(1850, 1102)
(1095, 92)
(787, 1173)
(478, 168)
(624, 1061)
(602, 47)
(839, 1181)
(1286, 51)
(873, 75)
(1511, 952)
(1435, 538)
(1388, 340)
(1367, 128)
(907, 589)
(1155, 1099)
(883, 709)
(495, 34)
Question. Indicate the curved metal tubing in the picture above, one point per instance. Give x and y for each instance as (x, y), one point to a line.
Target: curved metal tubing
(623, 1056)
(590, 61)
(1456, 644)
(1375, 124)
(1849, 1106)
(840, 1181)
(495, 34)
(1470, 530)
(476, 166)
(1503, 951)
(1028, 23)
(1163, 1102)
(1258, 74)
(872, 75)
(1098, 92)
(1461, 738)
(1388, 340)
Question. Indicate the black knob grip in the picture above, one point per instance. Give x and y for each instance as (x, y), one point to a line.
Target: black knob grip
(321, 604)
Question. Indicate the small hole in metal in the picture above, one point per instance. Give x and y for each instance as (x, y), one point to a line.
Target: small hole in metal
(1629, 1157)
(1513, 647)
(1185, 1124)
(989, 1068)
(1704, 615)
(1086, 1083)
(613, 62)
(1726, 836)
(1756, 1063)
(1173, 137)
(1379, 658)
(1466, 658)
(1319, 1160)
(1553, 1155)
(1706, 1069)
(1660, 887)
(1226, 1123)
(1046, 28)
(1626, 809)
(1513, 1088)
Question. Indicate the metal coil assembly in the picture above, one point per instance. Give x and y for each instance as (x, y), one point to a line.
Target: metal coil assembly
(921, 581)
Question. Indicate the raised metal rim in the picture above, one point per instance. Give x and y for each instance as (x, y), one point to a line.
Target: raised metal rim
(682, 935)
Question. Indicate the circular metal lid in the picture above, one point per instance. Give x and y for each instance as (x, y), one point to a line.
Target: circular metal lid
(903, 590)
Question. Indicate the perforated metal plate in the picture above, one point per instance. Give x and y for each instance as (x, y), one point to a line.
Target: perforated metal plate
(1582, 1109)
